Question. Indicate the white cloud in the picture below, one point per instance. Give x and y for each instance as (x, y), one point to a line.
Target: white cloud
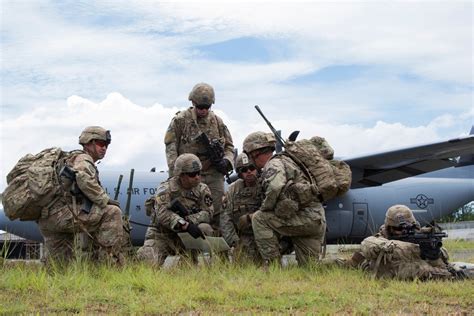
(52, 52)
(138, 132)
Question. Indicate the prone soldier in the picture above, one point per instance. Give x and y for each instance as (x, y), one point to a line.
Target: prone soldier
(192, 214)
(404, 250)
(65, 217)
(201, 132)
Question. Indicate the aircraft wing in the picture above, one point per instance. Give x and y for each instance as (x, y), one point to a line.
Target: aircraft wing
(380, 168)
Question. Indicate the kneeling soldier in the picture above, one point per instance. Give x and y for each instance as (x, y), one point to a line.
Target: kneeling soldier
(65, 218)
(242, 199)
(185, 187)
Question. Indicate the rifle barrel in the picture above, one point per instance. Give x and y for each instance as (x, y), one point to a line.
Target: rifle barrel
(274, 131)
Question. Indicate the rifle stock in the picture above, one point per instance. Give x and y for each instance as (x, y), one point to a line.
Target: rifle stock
(69, 173)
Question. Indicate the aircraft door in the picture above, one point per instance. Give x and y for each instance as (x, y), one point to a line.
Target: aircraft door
(359, 220)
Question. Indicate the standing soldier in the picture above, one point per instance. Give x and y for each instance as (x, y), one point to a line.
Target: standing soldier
(241, 200)
(288, 208)
(201, 132)
(65, 217)
(185, 186)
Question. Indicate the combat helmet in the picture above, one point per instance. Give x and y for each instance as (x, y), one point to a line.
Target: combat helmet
(94, 132)
(242, 160)
(258, 140)
(187, 163)
(399, 215)
(202, 93)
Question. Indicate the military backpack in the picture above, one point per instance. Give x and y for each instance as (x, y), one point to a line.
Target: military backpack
(332, 177)
(33, 184)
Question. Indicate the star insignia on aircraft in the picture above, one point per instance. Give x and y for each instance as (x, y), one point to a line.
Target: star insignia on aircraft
(422, 201)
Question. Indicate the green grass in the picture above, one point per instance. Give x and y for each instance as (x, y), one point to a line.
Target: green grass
(223, 288)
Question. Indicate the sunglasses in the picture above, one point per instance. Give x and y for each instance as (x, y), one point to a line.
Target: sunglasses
(193, 174)
(203, 106)
(245, 169)
(101, 143)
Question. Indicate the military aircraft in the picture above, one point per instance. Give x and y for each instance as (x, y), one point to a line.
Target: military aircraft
(433, 179)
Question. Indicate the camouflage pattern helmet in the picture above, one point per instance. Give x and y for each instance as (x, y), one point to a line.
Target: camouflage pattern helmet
(258, 140)
(187, 163)
(398, 215)
(94, 132)
(202, 93)
(242, 161)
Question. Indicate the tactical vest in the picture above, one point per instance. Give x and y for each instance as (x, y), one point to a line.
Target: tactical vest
(211, 125)
(245, 200)
(170, 190)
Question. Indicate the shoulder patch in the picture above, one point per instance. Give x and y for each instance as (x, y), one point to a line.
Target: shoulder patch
(161, 190)
(268, 173)
(208, 200)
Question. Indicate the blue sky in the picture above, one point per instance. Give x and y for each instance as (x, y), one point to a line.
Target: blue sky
(368, 76)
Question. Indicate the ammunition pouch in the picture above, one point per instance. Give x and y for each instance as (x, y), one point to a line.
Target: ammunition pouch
(303, 193)
(150, 205)
(286, 208)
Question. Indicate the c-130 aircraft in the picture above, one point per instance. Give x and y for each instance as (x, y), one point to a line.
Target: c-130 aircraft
(433, 180)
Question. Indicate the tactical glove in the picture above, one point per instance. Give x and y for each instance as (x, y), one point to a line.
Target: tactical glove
(113, 202)
(223, 166)
(194, 231)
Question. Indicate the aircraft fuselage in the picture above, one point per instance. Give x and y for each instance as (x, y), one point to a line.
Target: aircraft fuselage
(352, 216)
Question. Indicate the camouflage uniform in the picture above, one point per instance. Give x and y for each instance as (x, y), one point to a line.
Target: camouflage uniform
(284, 212)
(389, 258)
(104, 222)
(181, 138)
(162, 238)
(240, 200)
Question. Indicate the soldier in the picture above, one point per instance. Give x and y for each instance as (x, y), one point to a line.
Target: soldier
(185, 186)
(186, 134)
(64, 218)
(288, 208)
(390, 253)
(241, 200)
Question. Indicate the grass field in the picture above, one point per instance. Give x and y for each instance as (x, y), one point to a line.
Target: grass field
(223, 288)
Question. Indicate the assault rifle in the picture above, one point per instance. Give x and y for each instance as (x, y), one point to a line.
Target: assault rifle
(214, 152)
(68, 173)
(182, 211)
(429, 238)
(179, 208)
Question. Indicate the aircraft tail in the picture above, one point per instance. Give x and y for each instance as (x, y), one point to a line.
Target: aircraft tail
(468, 159)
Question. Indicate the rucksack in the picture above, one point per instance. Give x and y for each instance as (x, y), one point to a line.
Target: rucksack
(33, 184)
(332, 177)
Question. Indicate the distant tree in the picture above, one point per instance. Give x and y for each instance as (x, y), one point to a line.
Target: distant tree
(464, 213)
